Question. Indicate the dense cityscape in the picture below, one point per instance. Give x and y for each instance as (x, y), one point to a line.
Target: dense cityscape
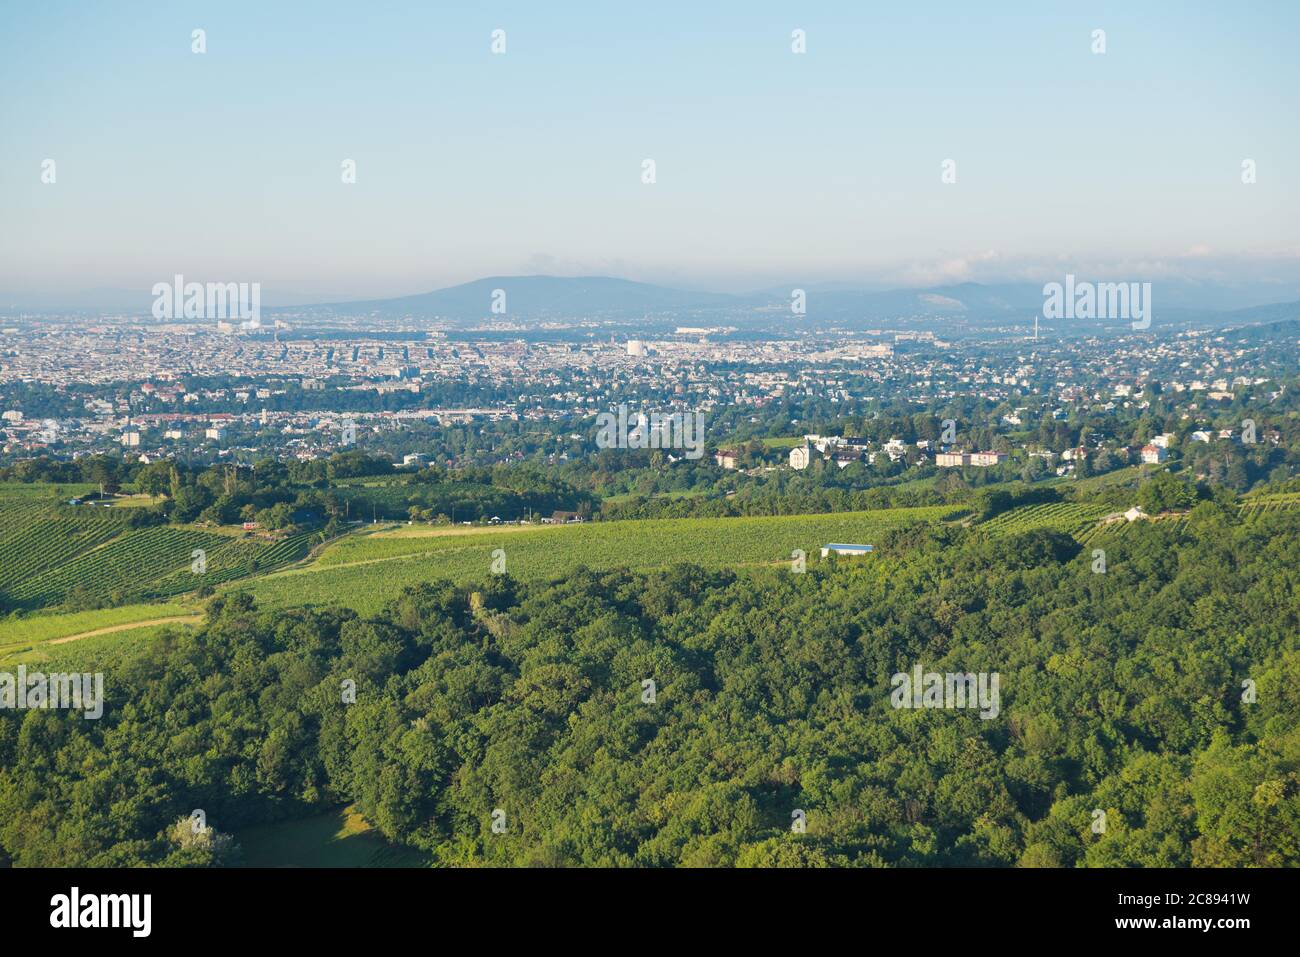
(167, 390)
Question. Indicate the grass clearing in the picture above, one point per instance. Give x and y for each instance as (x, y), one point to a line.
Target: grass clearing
(443, 531)
(98, 653)
(338, 838)
(35, 491)
(37, 628)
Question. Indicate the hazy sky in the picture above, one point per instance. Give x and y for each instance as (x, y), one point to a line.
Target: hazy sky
(772, 167)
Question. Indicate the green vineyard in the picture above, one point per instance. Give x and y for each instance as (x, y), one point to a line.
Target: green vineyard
(228, 560)
(363, 571)
(53, 554)
(1258, 507)
(124, 566)
(44, 538)
(1073, 518)
(1251, 510)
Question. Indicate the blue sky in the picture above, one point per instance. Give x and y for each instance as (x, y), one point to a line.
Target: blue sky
(771, 167)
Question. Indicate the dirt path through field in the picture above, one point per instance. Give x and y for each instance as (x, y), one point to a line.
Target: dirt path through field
(173, 620)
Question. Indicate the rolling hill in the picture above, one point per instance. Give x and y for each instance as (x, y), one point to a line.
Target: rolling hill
(951, 309)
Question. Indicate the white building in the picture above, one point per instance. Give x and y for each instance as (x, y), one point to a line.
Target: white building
(800, 456)
(842, 549)
(962, 459)
(895, 448)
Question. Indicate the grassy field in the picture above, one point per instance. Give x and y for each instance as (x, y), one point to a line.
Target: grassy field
(364, 571)
(97, 653)
(136, 501)
(42, 490)
(387, 531)
(80, 640)
(340, 838)
(38, 628)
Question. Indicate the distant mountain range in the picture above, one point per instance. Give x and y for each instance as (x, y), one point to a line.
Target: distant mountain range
(604, 297)
(950, 310)
(961, 307)
(538, 297)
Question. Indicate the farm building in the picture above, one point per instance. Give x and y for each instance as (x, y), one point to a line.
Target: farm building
(842, 549)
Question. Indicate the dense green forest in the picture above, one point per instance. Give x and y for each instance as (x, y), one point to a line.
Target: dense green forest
(1159, 696)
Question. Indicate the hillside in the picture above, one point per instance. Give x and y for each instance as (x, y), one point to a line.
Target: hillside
(526, 704)
(364, 571)
(956, 308)
(537, 297)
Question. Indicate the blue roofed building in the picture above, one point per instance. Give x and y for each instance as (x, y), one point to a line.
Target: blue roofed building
(842, 549)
